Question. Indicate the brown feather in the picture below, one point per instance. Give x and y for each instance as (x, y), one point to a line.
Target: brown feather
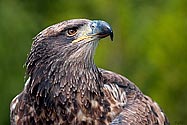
(64, 86)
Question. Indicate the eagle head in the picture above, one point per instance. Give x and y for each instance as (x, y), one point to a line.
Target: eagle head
(72, 40)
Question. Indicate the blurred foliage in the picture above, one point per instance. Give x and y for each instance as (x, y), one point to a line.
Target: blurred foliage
(149, 46)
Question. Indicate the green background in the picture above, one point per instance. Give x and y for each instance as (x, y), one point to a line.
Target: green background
(149, 48)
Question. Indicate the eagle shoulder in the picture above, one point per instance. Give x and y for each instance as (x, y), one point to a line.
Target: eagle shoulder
(137, 108)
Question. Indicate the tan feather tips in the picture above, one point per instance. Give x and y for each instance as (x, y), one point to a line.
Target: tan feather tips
(59, 27)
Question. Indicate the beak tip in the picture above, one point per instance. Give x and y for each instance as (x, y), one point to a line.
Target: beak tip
(103, 29)
(111, 35)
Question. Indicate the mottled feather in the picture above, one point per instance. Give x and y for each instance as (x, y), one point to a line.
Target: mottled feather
(64, 85)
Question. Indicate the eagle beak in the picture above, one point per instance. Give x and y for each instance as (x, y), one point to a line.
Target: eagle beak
(101, 28)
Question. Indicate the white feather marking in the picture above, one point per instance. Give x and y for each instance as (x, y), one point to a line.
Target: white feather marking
(162, 117)
(94, 104)
(14, 103)
(123, 97)
(27, 82)
(81, 116)
(16, 118)
(156, 104)
(131, 111)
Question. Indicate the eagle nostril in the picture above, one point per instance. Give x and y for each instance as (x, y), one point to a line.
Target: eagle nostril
(93, 25)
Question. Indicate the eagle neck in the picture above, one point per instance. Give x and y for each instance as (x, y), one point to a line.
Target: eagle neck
(80, 72)
(64, 73)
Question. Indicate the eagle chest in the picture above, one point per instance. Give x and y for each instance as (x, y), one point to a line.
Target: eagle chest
(90, 109)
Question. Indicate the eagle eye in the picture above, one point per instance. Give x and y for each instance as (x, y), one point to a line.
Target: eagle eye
(71, 31)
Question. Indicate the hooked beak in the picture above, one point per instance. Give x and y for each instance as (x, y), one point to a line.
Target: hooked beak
(101, 28)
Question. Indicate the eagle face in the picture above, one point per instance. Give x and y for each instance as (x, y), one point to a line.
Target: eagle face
(69, 42)
(76, 30)
(75, 39)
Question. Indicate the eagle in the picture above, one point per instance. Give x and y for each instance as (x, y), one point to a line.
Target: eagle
(65, 87)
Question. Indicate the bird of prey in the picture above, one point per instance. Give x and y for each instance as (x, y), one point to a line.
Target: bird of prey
(65, 87)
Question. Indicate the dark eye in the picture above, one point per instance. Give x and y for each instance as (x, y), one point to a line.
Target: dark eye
(72, 31)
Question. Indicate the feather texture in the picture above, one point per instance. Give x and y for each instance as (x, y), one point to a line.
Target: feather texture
(64, 85)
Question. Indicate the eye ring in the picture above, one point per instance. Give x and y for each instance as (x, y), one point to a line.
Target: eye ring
(72, 31)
